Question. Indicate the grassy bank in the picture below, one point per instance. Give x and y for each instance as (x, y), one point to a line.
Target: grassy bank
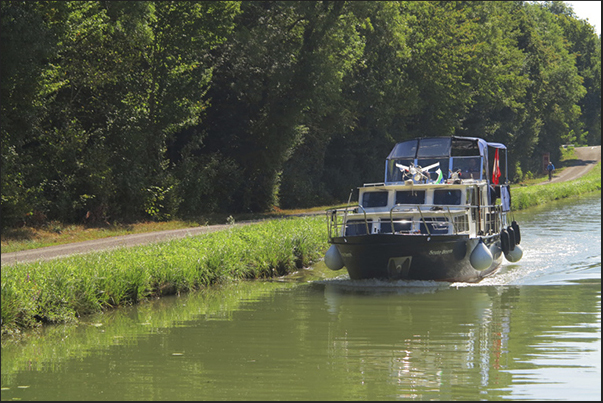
(63, 289)
(54, 233)
(523, 197)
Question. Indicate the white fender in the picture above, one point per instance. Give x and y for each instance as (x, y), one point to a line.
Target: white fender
(481, 257)
(333, 258)
(514, 255)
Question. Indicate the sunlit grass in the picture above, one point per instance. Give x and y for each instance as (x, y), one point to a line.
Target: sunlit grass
(55, 233)
(527, 196)
(61, 290)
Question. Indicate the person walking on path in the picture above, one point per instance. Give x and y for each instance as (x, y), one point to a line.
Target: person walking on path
(551, 169)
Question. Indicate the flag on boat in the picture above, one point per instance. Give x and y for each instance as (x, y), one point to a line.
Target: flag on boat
(496, 170)
(440, 176)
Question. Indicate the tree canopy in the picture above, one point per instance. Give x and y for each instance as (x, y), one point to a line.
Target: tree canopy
(124, 111)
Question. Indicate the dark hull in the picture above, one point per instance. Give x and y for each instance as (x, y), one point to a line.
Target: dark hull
(414, 257)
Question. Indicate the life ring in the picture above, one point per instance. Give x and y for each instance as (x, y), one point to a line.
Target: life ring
(504, 241)
(512, 241)
(517, 233)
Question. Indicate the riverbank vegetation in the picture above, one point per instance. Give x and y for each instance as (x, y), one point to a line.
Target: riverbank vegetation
(151, 110)
(121, 112)
(523, 197)
(62, 290)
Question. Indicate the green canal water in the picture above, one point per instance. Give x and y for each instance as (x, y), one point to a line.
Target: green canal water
(530, 332)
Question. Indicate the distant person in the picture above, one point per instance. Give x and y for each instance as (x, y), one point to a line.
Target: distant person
(551, 169)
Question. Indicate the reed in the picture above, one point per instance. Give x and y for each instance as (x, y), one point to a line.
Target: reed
(529, 196)
(62, 290)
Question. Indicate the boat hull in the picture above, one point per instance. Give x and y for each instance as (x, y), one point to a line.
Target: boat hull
(415, 257)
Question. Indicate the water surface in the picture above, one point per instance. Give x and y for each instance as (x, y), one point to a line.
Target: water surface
(531, 332)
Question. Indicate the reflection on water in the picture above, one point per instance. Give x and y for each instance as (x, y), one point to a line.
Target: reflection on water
(533, 331)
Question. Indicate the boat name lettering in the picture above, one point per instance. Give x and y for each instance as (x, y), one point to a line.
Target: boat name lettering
(440, 252)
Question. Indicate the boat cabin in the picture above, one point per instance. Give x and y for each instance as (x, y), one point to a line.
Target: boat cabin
(435, 186)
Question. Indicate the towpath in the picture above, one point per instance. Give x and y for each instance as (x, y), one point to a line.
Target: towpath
(587, 157)
(51, 252)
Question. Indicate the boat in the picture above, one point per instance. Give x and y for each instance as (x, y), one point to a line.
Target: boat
(440, 214)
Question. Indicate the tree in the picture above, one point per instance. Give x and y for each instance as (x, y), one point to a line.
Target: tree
(585, 45)
(112, 81)
(284, 59)
(30, 33)
(555, 87)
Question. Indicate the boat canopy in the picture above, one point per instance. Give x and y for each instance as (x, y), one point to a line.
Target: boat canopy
(450, 152)
(440, 147)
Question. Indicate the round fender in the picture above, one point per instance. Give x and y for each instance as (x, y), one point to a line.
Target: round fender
(504, 241)
(511, 232)
(481, 257)
(517, 233)
(514, 255)
(333, 258)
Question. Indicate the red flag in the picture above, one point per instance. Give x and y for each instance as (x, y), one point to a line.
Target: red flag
(496, 171)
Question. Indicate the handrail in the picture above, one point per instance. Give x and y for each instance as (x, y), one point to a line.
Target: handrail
(365, 220)
(456, 231)
(493, 223)
(345, 218)
(424, 223)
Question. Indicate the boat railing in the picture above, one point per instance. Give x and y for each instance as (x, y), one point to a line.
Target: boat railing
(494, 219)
(337, 219)
(430, 223)
(489, 219)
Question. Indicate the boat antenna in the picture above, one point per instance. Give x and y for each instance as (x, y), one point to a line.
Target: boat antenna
(350, 197)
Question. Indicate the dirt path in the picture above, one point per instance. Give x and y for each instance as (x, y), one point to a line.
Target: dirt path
(51, 252)
(587, 158)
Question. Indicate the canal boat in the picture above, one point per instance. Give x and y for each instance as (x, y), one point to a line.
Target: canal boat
(440, 214)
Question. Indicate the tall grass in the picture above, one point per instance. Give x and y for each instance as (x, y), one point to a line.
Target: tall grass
(529, 196)
(63, 289)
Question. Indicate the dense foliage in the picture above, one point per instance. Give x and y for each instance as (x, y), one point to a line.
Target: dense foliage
(122, 111)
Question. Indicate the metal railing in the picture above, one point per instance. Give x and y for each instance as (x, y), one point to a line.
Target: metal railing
(489, 219)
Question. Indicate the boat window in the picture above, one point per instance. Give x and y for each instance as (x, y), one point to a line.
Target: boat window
(410, 197)
(469, 166)
(438, 147)
(399, 226)
(407, 149)
(393, 172)
(374, 199)
(357, 227)
(447, 196)
(464, 147)
(432, 172)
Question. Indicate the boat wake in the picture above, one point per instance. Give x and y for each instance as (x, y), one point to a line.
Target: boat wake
(508, 274)
(389, 286)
